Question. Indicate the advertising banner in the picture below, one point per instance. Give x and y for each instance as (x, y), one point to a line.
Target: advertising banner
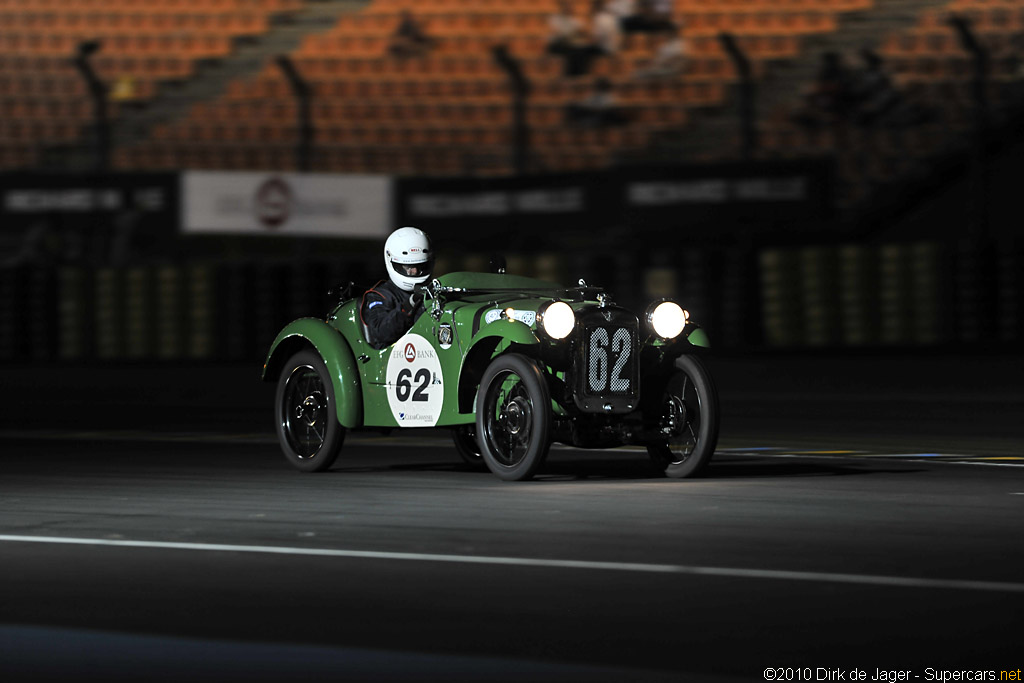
(78, 200)
(287, 204)
(755, 192)
(474, 209)
(490, 211)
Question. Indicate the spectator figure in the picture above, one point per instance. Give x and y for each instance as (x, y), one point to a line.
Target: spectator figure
(623, 10)
(829, 98)
(566, 30)
(669, 58)
(876, 101)
(1016, 59)
(649, 16)
(597, 109)
(662, 11)
(409, 38)
(569, 38)
(872, 94)
(605, 30)
(1011, 68)
(125, 89)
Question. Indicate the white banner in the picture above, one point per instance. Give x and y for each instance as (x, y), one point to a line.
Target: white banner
(290, 204)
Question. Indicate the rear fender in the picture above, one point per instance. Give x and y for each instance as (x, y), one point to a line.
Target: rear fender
(337, 356)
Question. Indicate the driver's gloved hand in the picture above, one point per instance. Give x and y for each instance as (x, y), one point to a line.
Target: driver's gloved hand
(415, 299)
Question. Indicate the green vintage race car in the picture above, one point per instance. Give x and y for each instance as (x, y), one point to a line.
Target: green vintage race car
(511, 364)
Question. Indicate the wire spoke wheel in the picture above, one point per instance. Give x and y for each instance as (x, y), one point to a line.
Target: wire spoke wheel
(689, 420)
(307, 429)
(467, 446)
(513, 417)
(683, 409)
(305, 411)
(512, 412)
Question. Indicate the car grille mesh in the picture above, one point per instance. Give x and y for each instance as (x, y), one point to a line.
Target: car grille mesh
(610, 354)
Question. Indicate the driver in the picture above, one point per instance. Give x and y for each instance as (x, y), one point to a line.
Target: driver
(391, 306)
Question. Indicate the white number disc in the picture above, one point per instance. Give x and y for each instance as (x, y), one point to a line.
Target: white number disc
(414, 382)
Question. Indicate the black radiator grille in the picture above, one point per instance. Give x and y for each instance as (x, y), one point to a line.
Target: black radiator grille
(608, 370)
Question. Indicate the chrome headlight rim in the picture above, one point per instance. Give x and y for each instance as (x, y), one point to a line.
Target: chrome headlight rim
(670, 329)
(559, 324)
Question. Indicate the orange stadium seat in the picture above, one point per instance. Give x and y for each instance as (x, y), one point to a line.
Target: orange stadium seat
(373, 109)
(143, 42)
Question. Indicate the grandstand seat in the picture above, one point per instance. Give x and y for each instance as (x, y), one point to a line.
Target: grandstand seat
(453, 104)
(143, 42)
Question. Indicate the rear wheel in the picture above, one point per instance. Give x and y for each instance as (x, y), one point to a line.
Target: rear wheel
(513, 417)
(690, 416)
(467, 446)
(307, 423)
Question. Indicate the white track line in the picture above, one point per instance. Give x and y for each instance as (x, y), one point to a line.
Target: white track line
(823, 577)
(435, 441)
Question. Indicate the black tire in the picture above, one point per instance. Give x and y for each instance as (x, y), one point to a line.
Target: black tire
(690, 404)
(513, 417)
(468, 447)
(305, 414)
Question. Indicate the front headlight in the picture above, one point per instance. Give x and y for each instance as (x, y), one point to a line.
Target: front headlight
(557, 319)
(667, 319)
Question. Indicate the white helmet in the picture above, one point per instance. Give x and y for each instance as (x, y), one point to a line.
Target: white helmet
(408, 257)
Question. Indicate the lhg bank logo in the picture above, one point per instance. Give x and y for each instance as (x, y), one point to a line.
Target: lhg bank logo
(273, 204)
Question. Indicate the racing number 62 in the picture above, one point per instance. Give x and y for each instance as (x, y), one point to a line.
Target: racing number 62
(403, 387)
(598, 364)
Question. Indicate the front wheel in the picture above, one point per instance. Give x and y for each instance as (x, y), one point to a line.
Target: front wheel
(513, 417)
(690, 419)
(304, 411)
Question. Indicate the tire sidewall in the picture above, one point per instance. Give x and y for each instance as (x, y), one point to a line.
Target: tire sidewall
(707, 434)
(539, 443)
(335, 435)
(468, 447)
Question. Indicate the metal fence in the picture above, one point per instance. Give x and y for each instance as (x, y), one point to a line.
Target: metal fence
(914, 296)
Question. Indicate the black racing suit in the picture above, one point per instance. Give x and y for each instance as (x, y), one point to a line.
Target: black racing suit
(387, 313)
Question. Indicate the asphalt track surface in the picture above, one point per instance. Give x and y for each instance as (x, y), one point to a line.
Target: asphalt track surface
(860, 513)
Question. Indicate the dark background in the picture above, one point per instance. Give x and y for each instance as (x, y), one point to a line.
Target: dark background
(863, 508)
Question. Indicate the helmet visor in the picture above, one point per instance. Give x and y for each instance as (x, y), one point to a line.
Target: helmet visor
(421, 269)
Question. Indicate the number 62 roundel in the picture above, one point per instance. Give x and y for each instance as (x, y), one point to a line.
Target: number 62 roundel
(414, 383)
